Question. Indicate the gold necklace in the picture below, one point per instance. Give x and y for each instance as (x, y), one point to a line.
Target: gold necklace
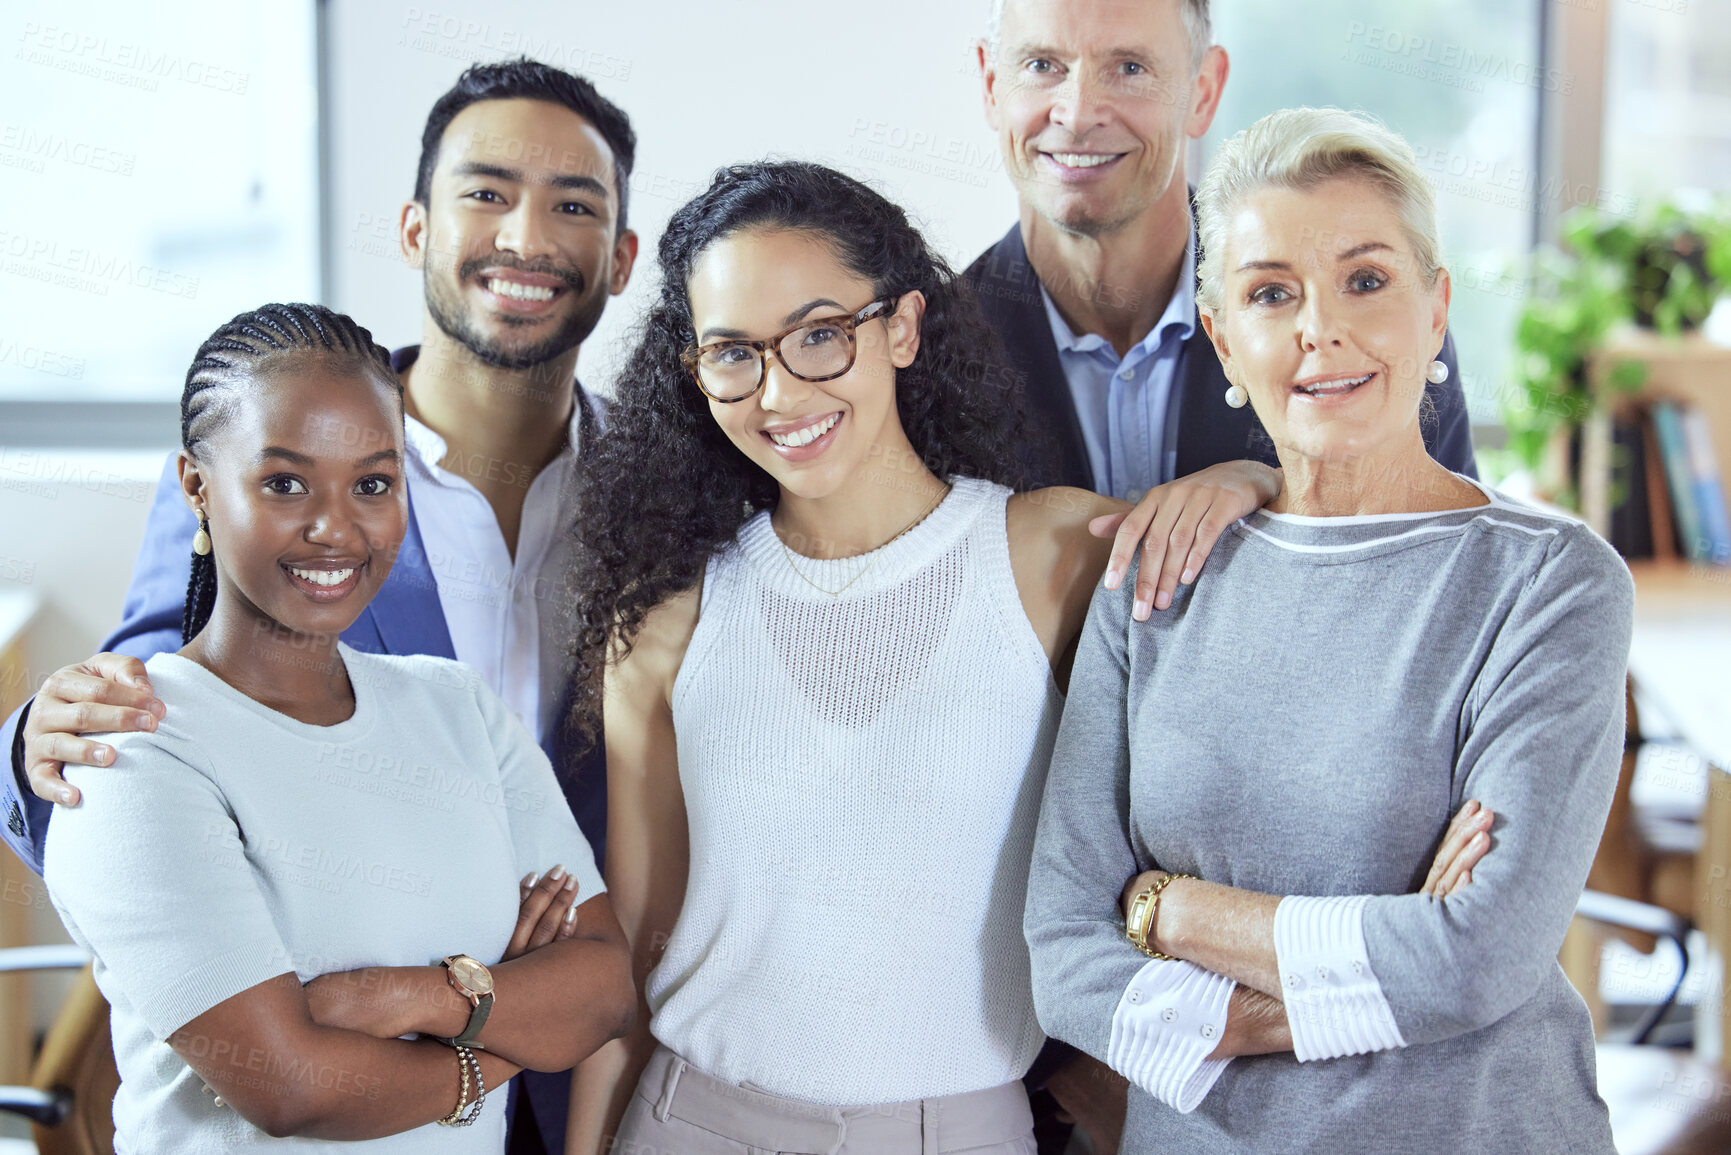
(875, 554)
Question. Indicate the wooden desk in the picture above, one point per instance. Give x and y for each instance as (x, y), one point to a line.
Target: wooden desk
(19, 889)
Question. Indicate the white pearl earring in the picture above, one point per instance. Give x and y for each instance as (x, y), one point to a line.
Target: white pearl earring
(1437, 373)
(1237, 396)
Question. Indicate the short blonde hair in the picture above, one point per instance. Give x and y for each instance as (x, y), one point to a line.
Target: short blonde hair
(1299, 148)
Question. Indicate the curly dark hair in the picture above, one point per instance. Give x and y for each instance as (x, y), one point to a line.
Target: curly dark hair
(664, 487)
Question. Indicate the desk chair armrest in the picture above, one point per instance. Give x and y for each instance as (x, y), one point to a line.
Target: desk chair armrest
(44, 1108)
(1627, 912)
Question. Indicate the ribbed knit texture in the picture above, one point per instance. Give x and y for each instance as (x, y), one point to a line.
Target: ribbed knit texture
(1334, 1005)
(862, 775)
(1169, 1020)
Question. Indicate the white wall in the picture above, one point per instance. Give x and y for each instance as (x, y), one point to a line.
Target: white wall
(886, 91)
(73, 521)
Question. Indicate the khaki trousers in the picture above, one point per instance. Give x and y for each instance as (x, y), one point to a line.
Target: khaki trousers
(678, 1110)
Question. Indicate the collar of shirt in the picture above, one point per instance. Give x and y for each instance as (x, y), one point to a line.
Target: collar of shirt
(1122, 402)
(1178, 320)
(501, 610)
(428, 448)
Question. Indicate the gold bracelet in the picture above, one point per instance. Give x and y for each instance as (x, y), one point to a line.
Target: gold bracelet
(1144, 908)
(455, 1118)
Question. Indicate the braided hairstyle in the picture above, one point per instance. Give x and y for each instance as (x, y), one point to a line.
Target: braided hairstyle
(233, 357)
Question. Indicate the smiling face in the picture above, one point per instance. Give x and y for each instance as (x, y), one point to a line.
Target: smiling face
(518, 242)
(1326, 318)
(302, 484)
(813, 437)
(1092, 101)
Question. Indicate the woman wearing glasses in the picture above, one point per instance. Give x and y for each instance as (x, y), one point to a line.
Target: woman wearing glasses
(827, 638)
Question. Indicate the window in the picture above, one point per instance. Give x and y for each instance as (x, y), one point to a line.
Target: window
(159, 176)
(1667, 100)
(1460, 79)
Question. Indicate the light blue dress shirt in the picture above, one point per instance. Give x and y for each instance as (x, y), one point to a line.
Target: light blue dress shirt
(1123, 402)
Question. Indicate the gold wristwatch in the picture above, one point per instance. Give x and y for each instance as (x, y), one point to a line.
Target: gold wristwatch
(472, 980)
(1144, 907)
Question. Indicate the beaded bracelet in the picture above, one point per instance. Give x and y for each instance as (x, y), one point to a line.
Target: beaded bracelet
(458, 1118)
(480, 1090)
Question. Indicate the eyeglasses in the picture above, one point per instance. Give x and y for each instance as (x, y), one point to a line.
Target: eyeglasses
(820, 350)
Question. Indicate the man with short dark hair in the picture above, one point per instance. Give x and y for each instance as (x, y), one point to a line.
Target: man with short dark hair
(518, 226)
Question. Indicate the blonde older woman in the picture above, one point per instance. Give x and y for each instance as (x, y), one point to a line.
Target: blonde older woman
(1260, 776)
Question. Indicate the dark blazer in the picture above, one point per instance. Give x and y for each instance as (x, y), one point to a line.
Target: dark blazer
(404, 617)
(1203, 428)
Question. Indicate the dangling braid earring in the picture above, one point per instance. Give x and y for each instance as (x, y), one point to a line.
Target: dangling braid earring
(201, 586)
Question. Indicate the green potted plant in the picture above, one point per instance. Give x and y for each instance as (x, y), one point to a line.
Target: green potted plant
(1663, 270)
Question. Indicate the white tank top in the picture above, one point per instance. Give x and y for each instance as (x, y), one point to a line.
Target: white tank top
(862, 775)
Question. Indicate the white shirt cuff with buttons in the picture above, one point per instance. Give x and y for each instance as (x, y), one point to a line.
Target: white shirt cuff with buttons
(1334, 1004)
(1169, 1020)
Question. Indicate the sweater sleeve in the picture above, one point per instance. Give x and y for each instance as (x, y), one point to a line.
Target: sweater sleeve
(1541, 745)
(149, 871)
(1154, 1022)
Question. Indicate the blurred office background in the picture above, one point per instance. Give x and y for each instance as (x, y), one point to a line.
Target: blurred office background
(165, 166)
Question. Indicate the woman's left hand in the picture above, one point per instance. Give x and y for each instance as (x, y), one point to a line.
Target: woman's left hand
(1464, 845)
(1177, 524)
(546, 912)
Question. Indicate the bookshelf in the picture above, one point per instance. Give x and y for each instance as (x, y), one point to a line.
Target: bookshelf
(1680, 655)
(1687, 368)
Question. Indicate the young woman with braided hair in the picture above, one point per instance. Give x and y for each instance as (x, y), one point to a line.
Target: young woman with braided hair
(317, 852)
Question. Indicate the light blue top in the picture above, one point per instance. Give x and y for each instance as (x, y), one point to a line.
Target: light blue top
(234, 844)
(1122, 401)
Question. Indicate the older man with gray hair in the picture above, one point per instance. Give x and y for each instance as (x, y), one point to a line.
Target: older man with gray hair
(1093, 289)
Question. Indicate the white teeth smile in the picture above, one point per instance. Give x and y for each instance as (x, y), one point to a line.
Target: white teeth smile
(807, 435)
(322, 577)
(1329, 388)
(518, 291)
(1082, 159)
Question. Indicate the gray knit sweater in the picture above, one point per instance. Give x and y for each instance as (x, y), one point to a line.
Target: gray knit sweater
(1304, 721)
